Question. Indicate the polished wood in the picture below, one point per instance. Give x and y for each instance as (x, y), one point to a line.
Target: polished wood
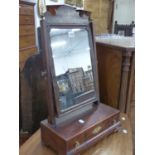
(116, 73)
(131, 87)
(117, 143)
(109, 64)
(26, 20)
(49, 87)
(27, 40)
(124, 80)
(75, 137)
(63, 131)
(26, 30)
(25, 9)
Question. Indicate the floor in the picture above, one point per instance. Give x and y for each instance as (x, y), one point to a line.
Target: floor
(23, 137)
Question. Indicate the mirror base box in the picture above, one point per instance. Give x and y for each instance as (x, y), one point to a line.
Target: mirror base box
(75, 137)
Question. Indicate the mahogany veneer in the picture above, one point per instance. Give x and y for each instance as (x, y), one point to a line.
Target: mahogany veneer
(75, 137)
(116, 69)
(72, 130)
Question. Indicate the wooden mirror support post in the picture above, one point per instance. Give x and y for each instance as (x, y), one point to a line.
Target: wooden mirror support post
(76, 119)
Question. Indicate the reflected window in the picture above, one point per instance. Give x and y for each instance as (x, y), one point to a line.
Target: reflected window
(73, 67)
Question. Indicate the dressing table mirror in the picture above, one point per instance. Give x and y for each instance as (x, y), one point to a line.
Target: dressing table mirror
(72, 61)
(76, 118)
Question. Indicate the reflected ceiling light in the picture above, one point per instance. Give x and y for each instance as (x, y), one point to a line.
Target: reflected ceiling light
(58, 44)
(54, 30)
(75, 30)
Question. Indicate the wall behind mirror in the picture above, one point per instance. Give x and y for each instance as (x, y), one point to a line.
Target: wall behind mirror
(124, 11)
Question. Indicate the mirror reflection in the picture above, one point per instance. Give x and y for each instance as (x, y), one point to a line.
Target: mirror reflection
(73, 68)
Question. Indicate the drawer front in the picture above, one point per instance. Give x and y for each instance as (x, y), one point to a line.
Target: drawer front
(26, 30)
(26, 41)
(24, 20)
(26, 9)
(75, 142)
(100, 127)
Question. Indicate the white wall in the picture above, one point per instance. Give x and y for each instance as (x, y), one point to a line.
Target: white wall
(49, 2)
(37, 22)
(124, 11)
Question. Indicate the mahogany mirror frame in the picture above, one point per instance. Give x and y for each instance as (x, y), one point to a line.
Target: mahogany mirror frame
(66, 22)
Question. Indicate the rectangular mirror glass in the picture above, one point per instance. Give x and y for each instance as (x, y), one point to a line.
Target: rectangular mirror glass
(72, 65)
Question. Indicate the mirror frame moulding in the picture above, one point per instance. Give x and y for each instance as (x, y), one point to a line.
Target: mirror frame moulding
(63, 19)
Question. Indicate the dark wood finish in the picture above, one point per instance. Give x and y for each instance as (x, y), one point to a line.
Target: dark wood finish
(74, 19)
(115, 144)
(33, 93)
(110, 15)
(131, 87)
(49, 87)
(109, 64)
(127, 29)
(74, 138)
(124, 80)
(63, 131)
(26, 104)
(23, 138)
(116, 67)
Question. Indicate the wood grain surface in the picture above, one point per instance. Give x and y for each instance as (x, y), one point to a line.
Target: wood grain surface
(116, 144)
(27, 40)
(116, 74)
(109, 66)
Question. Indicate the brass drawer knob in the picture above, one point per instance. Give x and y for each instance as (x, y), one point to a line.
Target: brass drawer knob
(97, 130)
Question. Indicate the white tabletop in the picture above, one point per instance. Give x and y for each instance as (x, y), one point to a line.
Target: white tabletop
(116, 40)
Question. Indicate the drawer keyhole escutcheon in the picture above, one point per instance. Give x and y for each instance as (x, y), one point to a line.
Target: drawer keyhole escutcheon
(77, 144)
(97, 130)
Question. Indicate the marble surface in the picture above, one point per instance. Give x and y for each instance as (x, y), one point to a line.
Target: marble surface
(116, 40)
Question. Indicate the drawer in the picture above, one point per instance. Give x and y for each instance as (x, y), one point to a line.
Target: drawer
(26, 10)
(99, 128)
(24, 20)
(26, 41)
(75, 142)
(26, 30)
